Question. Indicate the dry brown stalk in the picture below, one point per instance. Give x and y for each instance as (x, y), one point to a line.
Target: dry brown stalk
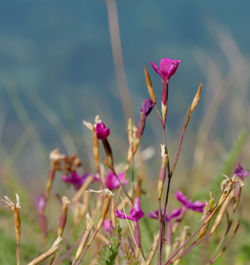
(48, 253)
(108, 195)
(152, 250)
(113, 217)
(192, 108)
(83, 188)
(149, 85)
(96, 151)
(15, 208)
(82, 208)
(85, 237)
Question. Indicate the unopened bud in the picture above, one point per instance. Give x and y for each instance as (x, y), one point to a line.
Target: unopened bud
(141, 126)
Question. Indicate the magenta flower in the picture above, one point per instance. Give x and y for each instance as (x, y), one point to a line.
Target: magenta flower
(107, 226)
(240, 172)
(77, 180)
(135, 213)
(40, 203)
(174, 214)
(102, 132)
(112, 181)
(147, 106)
(197, 206)
(168, 68)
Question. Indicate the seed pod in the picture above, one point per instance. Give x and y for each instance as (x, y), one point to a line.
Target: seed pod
(149, 85)
(63, 217)
(196, 99)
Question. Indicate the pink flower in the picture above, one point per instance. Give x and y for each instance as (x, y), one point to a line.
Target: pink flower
(135, 213)
(174, 214)
(112, 181)
(197, 206)
(40, 203)
(107, 226)
(77, 180)
(168, 68)
(240, 172)
(102, 132)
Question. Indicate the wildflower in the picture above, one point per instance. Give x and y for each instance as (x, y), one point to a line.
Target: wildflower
(147, 106)
(135, 215)
(77, 180)
(40, 203)
(112, 182)
(168, 68)
(174, 214)
(197, 206)
(102, 132)
(107, 226)
(240, 172)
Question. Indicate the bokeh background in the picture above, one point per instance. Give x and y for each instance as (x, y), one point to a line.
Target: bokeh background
(58, 67)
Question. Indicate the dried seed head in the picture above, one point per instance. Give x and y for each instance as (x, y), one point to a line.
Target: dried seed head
(88, 125)
(55, 155)
(10, 204)
(65, 201)
(103, 192)
(97, 119)
(15, 208)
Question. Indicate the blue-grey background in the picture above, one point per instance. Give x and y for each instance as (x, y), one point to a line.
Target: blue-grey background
(56, 62)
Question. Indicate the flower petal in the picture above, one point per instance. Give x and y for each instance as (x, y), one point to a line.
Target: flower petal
(155, 68)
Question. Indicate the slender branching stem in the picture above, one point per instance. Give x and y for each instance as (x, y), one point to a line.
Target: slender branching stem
(163, 218)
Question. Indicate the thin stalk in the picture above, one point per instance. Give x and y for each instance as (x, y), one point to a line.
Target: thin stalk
(18, 254)
(116, 46)
(162, 228)
(179, 147)
(162, 219)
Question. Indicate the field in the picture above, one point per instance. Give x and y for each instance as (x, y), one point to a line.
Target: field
(152, 176)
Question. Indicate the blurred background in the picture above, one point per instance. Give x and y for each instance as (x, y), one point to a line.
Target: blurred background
(62, 62)
(58, 66)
